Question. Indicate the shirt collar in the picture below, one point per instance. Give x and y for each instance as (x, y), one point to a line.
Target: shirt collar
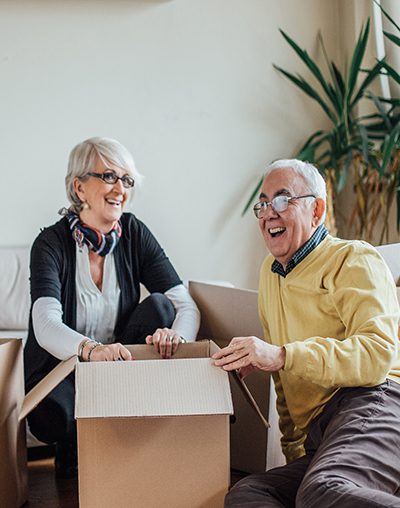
(319, 235)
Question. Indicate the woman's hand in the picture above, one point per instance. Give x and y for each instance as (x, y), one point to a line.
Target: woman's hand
(250, 353)
(165, 341)
(106, 352)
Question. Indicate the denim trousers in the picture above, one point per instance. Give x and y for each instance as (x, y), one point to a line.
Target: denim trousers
(352, 458)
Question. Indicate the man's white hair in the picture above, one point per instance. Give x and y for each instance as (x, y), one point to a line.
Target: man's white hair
(313, 179)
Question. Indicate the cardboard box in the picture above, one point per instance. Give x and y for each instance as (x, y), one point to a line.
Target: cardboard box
(227, 313)
(13, 463)
(151, 432)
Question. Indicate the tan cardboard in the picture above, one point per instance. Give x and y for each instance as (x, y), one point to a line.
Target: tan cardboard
(151, 432)
(13, 463)
(159, 436)
(227, 313)
(156, 432)
(46, 385)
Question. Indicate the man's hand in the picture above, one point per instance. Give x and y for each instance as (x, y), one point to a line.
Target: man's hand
(250, 353)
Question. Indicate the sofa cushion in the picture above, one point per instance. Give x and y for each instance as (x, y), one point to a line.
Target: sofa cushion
(14, 288)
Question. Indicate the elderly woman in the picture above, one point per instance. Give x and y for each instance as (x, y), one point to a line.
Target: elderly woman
(85, 275)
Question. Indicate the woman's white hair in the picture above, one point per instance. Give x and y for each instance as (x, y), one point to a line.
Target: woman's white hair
(82, 161)
(314, 181)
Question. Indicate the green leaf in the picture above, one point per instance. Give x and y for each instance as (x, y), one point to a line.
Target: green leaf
(253, 196)
(338, 79)
(357, 59)
(306, 88)
(391, 71)
(388, 147)
(311, 65)
(307, 151)
(371, 75)
(393, 38)
(337, 91)
(345, 171)
(381, 110)
(387, 15)
(364, 142)
(375, 163)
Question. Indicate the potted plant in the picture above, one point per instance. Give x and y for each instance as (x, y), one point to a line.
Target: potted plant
(347, 143)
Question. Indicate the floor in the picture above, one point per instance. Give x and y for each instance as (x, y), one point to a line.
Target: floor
(47, 492)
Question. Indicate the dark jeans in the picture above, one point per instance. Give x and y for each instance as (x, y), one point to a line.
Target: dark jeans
(352, 458)
(52, 421)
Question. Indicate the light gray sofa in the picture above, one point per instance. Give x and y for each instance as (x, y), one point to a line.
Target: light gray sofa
(15, 300)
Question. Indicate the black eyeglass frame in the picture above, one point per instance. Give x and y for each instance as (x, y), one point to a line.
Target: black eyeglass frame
(262, 204)
(124, 179)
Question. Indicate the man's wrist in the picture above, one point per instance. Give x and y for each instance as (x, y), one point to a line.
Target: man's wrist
(283, 354)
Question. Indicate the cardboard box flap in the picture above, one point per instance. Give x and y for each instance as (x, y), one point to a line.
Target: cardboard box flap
(199, 349)
(151, 388)
(44, 387)
(226, 312)
(249, 397)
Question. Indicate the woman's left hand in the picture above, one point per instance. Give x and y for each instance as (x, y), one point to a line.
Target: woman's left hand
(165, 340)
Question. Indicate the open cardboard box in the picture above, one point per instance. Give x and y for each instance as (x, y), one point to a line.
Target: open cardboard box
(156, 432)
(151, 432)
(13, 462)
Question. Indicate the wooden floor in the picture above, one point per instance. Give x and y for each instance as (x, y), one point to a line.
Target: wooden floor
(45, 491)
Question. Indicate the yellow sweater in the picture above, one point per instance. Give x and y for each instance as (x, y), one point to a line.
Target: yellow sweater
(337, 315)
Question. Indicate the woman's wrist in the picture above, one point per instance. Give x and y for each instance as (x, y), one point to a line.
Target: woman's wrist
(81, 347)
(91, 349)
(86, 347)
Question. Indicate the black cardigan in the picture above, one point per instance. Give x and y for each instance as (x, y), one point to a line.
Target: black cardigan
(138, 259)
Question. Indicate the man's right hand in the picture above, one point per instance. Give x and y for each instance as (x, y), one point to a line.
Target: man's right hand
(247, 354)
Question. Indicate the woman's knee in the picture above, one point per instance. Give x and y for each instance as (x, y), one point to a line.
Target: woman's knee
(53, 419)
(50, 421)
(159, 309)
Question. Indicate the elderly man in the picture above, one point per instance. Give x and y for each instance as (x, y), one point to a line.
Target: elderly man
(330, 316)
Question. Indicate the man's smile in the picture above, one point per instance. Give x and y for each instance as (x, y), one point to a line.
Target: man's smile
(276, 231)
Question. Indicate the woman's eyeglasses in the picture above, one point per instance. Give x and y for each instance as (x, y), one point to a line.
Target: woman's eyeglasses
(112, 178)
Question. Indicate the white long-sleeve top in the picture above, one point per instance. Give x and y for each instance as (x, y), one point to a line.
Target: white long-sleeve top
(97, 311)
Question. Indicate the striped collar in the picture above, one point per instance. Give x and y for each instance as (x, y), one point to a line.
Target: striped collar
(319, 235)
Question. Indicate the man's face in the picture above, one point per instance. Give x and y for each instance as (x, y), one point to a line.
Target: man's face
(286, 232)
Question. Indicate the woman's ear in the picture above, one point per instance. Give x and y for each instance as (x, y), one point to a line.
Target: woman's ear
(318, 211)
(77, 183)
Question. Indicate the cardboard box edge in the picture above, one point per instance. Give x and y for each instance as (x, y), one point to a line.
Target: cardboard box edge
(44, 387)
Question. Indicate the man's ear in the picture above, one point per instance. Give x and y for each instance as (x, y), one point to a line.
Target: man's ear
(318, 211)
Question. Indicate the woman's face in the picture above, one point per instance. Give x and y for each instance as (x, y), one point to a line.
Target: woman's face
(105, 201)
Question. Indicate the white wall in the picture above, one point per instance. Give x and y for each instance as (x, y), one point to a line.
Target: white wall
(187, 85)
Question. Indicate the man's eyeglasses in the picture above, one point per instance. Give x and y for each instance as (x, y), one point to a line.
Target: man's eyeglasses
(112, 178)
(279, 204)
